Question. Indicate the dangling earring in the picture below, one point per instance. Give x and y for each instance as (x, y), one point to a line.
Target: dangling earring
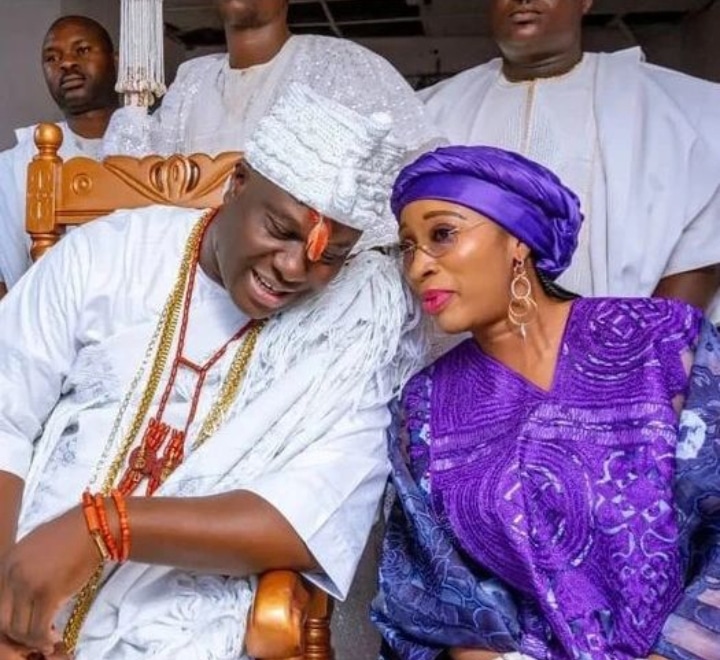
(522, 308)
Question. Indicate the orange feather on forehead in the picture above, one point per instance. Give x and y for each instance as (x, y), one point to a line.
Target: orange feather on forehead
(319, 236)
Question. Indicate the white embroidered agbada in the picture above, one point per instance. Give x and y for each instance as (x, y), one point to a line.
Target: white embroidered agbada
(211, 108)
(639, 144)
(307, 431)
(15, 244)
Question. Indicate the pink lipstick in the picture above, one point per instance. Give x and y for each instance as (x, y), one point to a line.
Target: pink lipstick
(435, 300)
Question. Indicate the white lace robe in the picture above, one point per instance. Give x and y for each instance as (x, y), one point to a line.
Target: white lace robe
(211, 108)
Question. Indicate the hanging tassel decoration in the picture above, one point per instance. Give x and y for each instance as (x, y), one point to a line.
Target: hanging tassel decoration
(141, 70)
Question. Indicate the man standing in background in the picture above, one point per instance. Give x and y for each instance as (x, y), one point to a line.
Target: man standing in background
(216, 101)
(78, 61)
(639, 144)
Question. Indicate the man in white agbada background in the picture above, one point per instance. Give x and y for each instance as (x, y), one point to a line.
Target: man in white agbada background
(227, 373)
(639, 144)
(78, 63)
(216, 101)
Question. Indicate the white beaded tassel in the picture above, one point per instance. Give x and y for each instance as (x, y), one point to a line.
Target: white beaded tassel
(141, 70)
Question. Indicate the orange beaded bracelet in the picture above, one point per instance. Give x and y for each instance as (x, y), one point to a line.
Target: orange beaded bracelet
(93, 525)
(98, 526)
(105, 530)
(121, 507)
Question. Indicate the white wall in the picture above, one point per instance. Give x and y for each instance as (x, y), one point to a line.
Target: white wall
(24, 98)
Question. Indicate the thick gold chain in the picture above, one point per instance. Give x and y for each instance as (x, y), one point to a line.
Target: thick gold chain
(161, 343)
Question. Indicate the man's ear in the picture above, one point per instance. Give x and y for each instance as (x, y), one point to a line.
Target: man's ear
(237, 180)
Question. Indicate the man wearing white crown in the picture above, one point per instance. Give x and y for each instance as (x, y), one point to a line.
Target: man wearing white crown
(190, 398)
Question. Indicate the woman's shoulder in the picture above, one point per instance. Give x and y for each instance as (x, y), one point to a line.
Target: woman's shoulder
(458, 354)
(631, 320)
(417, 393)
(624, 340)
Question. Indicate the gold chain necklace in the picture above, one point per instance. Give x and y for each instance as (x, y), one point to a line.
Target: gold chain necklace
(160, 346)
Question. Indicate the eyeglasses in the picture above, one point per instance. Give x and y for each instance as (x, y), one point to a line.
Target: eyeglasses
(442, 241)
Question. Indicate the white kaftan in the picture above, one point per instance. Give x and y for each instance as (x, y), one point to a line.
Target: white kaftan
(72, 335)
(211, 108)
(639, 144)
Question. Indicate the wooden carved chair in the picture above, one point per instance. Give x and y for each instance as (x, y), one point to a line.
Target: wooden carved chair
(290, 618)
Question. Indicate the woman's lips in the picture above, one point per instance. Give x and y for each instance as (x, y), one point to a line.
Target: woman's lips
(433, 302)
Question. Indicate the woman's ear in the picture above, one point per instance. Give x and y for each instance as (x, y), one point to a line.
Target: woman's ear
(237, 181)
(520, 251)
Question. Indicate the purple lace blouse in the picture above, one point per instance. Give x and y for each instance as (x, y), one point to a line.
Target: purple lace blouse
(566, 494)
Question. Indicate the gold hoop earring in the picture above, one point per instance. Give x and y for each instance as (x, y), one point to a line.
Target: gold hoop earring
(522, 308)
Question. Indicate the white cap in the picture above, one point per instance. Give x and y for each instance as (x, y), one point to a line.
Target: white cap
(332, 159)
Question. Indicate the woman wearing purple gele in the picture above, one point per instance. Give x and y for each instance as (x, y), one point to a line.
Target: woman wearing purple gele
(558, 472)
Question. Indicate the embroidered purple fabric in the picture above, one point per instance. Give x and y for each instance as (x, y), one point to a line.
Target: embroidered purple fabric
(566, 495)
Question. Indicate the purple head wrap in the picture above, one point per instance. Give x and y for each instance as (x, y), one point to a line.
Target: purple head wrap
(524, 198)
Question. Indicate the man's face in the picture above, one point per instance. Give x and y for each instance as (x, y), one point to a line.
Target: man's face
(251, 14)
(526, 28)
(259, 240)
(79, 68)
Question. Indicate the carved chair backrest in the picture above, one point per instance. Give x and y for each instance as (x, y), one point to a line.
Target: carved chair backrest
(62, 194)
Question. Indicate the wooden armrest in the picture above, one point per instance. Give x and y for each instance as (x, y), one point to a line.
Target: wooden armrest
(277, 618)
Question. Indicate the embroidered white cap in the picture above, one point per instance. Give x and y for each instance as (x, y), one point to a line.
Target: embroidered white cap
(331, 158)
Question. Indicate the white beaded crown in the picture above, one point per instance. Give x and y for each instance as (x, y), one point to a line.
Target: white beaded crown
(332, 159)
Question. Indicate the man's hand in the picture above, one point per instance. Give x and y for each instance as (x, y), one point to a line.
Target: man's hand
(11, 651)
(39, 575)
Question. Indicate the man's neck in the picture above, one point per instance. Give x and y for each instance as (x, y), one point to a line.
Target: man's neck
(545, 67)
(91, 124)
(248, 48)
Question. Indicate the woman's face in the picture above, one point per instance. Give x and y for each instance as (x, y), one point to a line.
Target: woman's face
(465, 280)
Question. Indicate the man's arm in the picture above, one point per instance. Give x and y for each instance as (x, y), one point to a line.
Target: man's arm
(37, 329)
(697, 287)
(38, 321)
(236, 533)
(313, 513)
(11, 489)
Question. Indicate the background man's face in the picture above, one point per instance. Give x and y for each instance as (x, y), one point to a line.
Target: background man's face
(79, 68)
(536, 27)
(251, 14)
